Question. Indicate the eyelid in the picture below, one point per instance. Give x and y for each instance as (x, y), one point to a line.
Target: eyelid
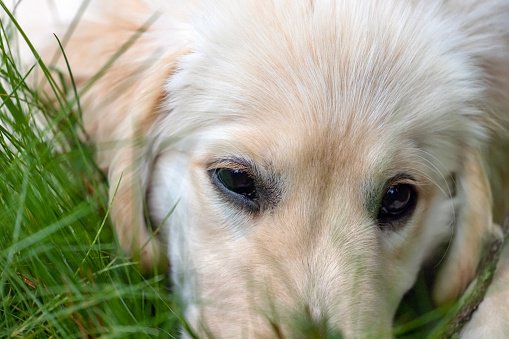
(402, 179)
(232, 164)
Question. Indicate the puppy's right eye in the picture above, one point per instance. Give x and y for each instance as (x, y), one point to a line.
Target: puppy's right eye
(398, 202)
(236, 184)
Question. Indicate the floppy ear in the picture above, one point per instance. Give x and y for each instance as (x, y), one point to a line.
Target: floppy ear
(120, 46)
(119, 110)
(474, 229)
(487, 37)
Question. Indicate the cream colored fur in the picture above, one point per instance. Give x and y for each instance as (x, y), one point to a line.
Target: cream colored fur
(329, 101)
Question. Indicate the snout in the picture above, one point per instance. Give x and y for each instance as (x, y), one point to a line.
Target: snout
(285, 287)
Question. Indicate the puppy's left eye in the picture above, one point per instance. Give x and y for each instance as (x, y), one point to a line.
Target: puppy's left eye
(397, 203)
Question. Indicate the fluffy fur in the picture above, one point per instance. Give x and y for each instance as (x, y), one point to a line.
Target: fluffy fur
(327, 104)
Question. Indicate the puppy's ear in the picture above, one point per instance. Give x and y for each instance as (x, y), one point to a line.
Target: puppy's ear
(121, 61)
(474, 229)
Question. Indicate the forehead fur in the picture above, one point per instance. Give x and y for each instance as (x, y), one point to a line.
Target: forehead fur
(329, 64)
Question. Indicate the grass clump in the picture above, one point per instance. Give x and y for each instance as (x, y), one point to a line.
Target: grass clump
(61, 272)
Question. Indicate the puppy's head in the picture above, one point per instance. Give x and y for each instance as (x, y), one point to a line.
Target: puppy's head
(306, 160)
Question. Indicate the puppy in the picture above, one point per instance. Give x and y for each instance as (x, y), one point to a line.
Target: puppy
(300, 159)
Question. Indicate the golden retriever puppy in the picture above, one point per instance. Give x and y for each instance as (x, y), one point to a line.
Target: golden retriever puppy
(300, 159)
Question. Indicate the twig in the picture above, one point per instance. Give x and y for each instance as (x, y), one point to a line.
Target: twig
(470, 302)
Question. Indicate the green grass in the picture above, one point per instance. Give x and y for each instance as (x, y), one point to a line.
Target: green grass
(62, 274)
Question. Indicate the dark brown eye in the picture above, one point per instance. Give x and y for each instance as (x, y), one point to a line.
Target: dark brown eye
(237, 181)
(397, 203)
(236, 184)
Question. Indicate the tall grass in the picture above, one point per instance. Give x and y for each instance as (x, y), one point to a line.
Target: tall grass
(62, 274)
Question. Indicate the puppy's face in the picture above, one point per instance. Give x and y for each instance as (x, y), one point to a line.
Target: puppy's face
(305, 172)
(281, 226)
